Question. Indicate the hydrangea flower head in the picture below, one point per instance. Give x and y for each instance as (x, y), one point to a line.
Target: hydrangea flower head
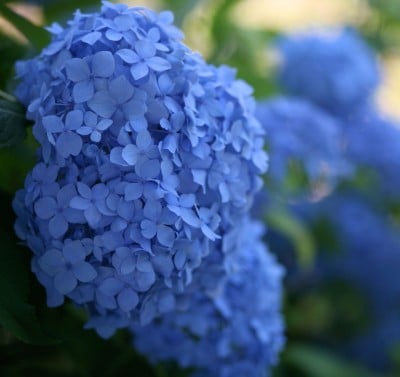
(367, 256)
(373, 143)
(334, 69)
(235, 331)
(147, 157)
(300, 132)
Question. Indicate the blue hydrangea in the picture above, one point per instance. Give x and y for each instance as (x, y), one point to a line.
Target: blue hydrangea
(148, 156)
(334, 69)
(299, 132)
(373, 144)
(366, 255)
(236, 330)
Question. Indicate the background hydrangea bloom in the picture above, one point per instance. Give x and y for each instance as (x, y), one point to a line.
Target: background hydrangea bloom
(300, 132)
(334, 69)
(373, 144)
(235, 331)
(148, 157)
(367, 256)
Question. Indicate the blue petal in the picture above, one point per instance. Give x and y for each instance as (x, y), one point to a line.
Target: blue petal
(113, 35)
(111, 286)
(74, 119)
(145, 48)
(83, 91)
(116, 157)
(120, 89)
(91, 38)
(46, 207)
(149, 169)
(102, 104)
(77, 70)
(84, 272)
(128, 300)
(93, 216)
(103, 64)
(139, 70)
(166, 303)
(152, 210)
(143, 139)
(124, 22)
(74, 252)
(149, 229)
(65, 282)
(58, 226)
(69, 143)
(128, 56)
(79, 203)
(158, 64)
(165, 235)
(52, 262)
(84, 190)
(53, 123)
(133, 191)
(129, 154)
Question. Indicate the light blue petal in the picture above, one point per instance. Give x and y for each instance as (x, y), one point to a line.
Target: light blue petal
(77, 70)
(103, 64)
(83, 91)
(93, 216)
(53, 123)
(127, 300)
(165, 235)
(74, 252)
(143, 139)
(158, 64)
(145, 49)
(52, 262)
(65, 282)
(120, 89)
(69, 143)
(84, 272)
(46, 207)
(111, 286)
(74, 119)
(149, 229)
(58, 226)
(129, 154)
(102, 104)
(91, 38)
(133, 191)
(152, 210)
(139, 70)
(128, 56)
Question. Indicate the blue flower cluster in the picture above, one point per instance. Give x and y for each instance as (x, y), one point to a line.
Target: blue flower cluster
(368, 258)
(300, 132)
(233, 331)
(334, 69)
(337, 73)
(148, 156)
(373, 144)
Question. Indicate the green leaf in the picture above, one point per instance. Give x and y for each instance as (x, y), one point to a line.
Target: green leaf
(12, 123)
(36, 35)
(17, 315)
(314, 362)
(285, 223)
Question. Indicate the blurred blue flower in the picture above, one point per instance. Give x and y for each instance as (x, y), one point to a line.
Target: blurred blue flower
(335, 69)
(299, 132)
(366, 255)
(146, 152)
(373, 144)
(234, 329)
